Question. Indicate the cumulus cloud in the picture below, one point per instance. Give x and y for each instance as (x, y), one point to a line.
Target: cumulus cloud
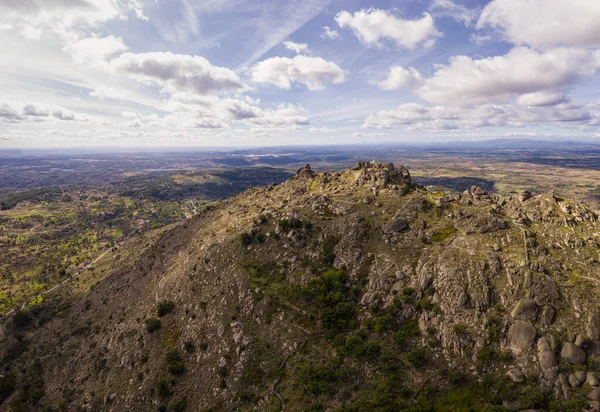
(178, 72)
(28, 113)
(417, 116)
(530, 76)
(313, 72)
(399, 78)
(214, 112)
(94, 50)
(105, 92)
(62, 15)
(298, 48)
(371, 26)
(455, 11)
(544, 23)
(329, 33)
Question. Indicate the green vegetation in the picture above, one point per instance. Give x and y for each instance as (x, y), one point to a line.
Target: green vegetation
(443, 234)
(152, 325)
(164, 307)
(174, 362)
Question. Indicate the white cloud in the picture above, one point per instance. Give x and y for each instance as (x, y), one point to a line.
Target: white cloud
(522, 72)
(458, 12)
(30, 113)
(544, 23)
(105, 92)
(298, 48)
(542, 99)
(189, 111)
(417, 116)
(60, 16)
(178, 72)
(93, 51)
(329, 33)
(371, 26)
(313, 72)
(400, 78)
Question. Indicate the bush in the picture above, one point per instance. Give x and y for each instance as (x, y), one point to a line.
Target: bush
(164, 307)
(189, 347)
(417, 357)
(7, 386)
(177, 404)
(174, 362)
(162, 388)
(408, 330)
(22, 319)
(152, 325)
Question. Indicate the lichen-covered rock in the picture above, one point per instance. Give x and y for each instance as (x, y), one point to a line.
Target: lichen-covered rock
(573, 354)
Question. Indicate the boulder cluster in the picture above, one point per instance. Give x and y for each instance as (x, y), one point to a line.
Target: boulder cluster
(380, 174)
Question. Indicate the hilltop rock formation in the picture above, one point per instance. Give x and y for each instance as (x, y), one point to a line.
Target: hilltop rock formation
(352, 290)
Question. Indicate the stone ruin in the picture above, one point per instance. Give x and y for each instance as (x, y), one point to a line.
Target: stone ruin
(379, 174)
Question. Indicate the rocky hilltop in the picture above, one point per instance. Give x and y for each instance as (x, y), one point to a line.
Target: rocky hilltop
(353, 290)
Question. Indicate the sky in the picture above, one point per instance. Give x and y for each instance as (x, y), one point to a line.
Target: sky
(129, 73)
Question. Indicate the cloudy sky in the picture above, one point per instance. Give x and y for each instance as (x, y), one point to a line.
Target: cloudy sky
(271, 72)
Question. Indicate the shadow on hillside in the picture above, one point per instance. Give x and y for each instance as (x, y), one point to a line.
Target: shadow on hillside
(458, 184)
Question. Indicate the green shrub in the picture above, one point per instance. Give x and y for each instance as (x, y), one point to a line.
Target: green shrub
(174, 362)
(409, 329)
(162, 388)
(417, 357)
(177, 404)
(7, 386)
(152, 325)
(164, 307)
(460, 329)
(22, 319)
(189, 347)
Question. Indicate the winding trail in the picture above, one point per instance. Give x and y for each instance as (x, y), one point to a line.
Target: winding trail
(11, 312)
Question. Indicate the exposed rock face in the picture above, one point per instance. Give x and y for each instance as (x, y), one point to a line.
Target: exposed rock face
(521, 336)
(381, 175)
(573, 354)
(305, 172)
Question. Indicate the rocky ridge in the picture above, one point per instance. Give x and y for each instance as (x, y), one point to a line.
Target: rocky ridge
(347, 290)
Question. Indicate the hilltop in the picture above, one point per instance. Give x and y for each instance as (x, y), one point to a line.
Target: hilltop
(353, 290)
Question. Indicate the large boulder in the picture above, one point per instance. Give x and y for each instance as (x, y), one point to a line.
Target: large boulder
(593, 326)
(521, 336)
(395, 226)
(525, 309)
(547, 358)
(573, 354)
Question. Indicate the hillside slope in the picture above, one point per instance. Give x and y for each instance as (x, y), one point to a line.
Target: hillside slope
(351, 291)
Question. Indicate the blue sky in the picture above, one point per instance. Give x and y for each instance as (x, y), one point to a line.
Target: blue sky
(240, 72)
